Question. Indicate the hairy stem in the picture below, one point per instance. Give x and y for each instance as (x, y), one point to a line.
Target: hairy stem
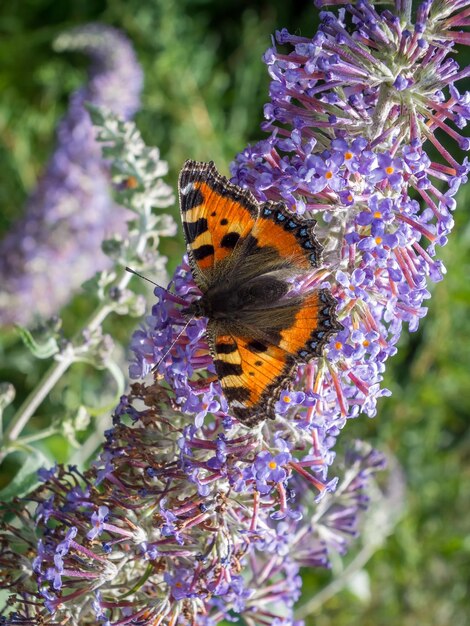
(34, 399)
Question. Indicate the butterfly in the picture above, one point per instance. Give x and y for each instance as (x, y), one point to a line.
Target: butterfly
(244, 256)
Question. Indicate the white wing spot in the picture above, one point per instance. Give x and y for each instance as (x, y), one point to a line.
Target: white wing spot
(186, 189)
(237, 404)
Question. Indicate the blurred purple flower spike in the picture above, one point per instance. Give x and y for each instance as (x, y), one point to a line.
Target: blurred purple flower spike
(56, 245)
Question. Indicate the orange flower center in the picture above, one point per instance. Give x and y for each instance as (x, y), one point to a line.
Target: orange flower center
(389, 170)
(377, 214)
(329, 175)
(378, 240)
(272, 465)
(348, 155)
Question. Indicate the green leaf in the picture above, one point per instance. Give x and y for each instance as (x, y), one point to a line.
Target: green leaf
(116, 372)
(27, 478)
(96, 114)
(7, 395)
(40, 350)
(71, 425)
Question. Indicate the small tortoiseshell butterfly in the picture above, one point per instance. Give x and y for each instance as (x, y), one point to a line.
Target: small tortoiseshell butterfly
(243, 255)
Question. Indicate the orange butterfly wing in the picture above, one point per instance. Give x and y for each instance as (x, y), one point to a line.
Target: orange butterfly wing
(252, 372)
(217, 216)
(223, 222)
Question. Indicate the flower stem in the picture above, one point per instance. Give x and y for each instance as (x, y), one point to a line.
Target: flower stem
(47, 383)
(407, 8)
(35, 398)
(337, 583)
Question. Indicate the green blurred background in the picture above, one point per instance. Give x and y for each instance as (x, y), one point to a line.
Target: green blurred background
(205, 86)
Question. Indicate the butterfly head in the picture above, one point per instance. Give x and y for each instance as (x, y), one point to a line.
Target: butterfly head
(214, 308)
(196, 309)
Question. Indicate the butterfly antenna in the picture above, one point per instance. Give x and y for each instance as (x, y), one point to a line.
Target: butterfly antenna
(131, 271)
(156, 366)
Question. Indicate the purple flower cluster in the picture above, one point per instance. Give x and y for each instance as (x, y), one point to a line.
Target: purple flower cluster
(345, 147)
(161, 528)
(56, 245)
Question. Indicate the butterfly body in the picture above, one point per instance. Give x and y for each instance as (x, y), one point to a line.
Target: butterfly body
(233, 301)
(245, 257)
